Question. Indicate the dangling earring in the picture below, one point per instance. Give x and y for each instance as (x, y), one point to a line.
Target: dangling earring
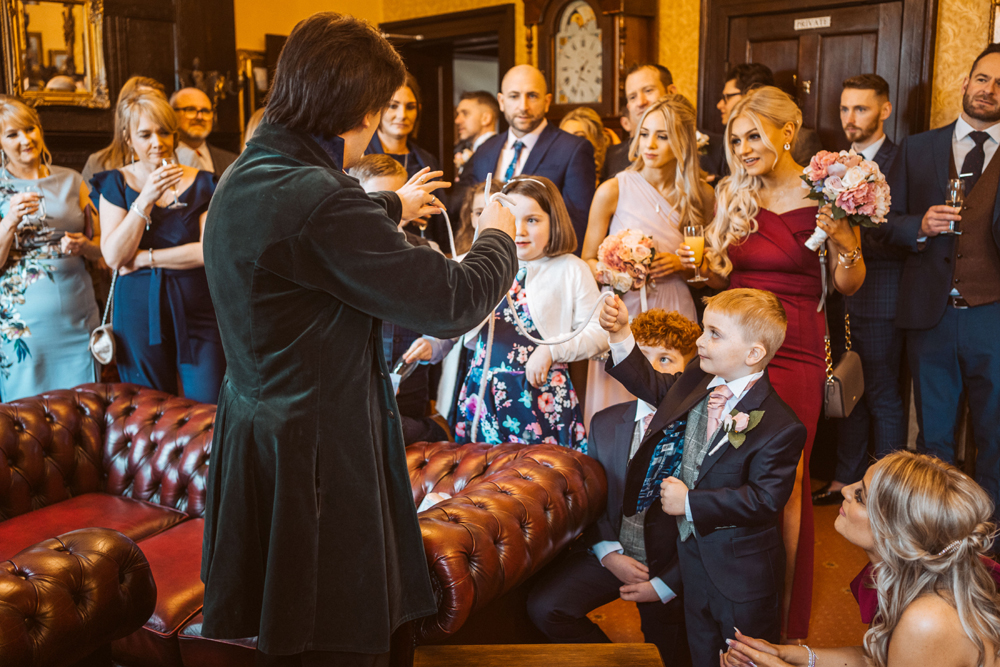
(787, 146)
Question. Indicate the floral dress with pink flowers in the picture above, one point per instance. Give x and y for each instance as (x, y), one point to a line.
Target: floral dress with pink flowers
(513, 410)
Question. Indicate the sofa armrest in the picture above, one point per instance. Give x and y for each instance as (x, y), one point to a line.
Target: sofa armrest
(504, 525)
(68, 596)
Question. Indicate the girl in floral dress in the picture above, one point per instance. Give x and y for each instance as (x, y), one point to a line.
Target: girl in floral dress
(529, 396)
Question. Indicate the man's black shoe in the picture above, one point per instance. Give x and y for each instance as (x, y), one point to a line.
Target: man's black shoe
(825, 496)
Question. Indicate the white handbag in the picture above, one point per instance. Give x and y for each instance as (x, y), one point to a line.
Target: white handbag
(102, 339)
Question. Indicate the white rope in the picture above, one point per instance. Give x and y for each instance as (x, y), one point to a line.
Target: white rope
(487, 371)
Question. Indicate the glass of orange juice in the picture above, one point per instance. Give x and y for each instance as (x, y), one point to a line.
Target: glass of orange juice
(694, 238)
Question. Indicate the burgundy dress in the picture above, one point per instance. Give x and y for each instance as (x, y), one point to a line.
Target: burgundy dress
(775, 259)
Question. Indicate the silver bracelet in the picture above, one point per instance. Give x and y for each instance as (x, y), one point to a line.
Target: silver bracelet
(849, 260)
(150, 258)
(142, 214)
(812, 655)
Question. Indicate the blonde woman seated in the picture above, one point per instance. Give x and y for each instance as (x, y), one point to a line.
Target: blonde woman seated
(926, 528)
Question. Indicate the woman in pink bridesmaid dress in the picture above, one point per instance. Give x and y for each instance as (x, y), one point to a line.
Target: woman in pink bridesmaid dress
(756, 240)
(660, 193)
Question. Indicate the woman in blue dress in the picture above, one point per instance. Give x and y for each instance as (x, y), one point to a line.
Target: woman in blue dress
(47, 305)
(166, 332)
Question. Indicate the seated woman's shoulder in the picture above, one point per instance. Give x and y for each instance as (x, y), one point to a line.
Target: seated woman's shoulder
(930, 630)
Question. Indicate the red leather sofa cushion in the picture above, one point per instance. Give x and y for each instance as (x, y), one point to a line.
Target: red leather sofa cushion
(136, 519)
(175, 560)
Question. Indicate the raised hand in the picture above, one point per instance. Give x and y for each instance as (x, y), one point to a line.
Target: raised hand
(673, 493)
(614, 318)
(160, 181)
(938, 219)
(495, 216)
(416, 196)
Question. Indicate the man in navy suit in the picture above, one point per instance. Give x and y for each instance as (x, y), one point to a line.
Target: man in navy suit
(949, 297)
(864, 108)
(532, 145)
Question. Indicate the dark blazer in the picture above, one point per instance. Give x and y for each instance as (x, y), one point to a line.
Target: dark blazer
(565, 159)
(303, 266)
(879, 294)
(609, 441)
(918, 180)
(807, 144)
(221, 159)
(740, 493)
(713, 160)
(615, 160)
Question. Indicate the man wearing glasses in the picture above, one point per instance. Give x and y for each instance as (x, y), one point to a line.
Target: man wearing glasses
(195, 117)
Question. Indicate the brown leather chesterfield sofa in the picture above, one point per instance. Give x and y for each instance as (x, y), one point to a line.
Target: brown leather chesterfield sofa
(133, 460)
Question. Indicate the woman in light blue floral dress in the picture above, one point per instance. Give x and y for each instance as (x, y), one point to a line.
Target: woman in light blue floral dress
(47, 305)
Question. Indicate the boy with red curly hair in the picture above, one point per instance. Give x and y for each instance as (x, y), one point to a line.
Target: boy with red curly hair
(625, 554)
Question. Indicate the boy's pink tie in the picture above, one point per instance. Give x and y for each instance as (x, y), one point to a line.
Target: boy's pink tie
(716, 405)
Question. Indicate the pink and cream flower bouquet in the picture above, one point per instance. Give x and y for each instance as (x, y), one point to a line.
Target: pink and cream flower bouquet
(623, 261)
(853, 186)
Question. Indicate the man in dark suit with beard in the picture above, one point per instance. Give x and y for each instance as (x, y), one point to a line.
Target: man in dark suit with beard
(864, 108)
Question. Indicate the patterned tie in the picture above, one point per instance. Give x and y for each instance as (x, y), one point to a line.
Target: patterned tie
(974, 161)
(716, 405)
(518, 147)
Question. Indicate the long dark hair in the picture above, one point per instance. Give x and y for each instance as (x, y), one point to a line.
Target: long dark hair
(333, 71)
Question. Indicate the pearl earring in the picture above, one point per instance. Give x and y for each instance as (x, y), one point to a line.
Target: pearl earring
(787, 146)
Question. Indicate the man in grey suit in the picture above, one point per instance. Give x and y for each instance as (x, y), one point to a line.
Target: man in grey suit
(196, 117)
(864, 108)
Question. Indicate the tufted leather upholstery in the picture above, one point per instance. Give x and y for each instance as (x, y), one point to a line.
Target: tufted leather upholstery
(514, 507)
(63, 598)
(136, 459)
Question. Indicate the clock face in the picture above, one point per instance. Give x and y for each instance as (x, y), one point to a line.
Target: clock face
(579, 56)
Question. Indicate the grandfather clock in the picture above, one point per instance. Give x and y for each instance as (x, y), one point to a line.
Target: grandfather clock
(586, 46)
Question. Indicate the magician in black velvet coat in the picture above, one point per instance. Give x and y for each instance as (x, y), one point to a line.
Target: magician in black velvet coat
(731, 569)
(311, 535)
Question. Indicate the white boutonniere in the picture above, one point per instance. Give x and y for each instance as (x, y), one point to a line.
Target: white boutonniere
(736, 425)
(702, 142)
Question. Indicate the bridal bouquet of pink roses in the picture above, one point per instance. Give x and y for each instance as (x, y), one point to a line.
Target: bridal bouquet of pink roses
(853, 186)
(623, 261)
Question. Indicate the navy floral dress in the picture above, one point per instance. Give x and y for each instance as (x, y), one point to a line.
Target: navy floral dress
(514, 411)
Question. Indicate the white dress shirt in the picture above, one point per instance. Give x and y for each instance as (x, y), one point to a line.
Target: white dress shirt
(199, 158)
(872, 150)
(507, 154)
(602, 549)
(479, 140)
(962, 143)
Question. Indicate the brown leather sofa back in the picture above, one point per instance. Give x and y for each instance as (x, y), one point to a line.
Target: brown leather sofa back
(514, 507)
(121, 439)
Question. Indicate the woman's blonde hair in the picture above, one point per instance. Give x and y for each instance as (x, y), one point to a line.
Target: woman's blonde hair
(156, 107)
(931, 525)
(562, 236)
(593, 127)
(679, 115)
(737, 200)
(117, 153)
(18, 115)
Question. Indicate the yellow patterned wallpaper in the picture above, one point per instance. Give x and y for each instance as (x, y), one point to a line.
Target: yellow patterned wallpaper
(255, 18)
(961, 34)
(679, 25)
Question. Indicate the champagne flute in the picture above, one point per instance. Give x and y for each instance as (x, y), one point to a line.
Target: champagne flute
(955, 199)
(422, 226)
(694, 238)
(170, 162)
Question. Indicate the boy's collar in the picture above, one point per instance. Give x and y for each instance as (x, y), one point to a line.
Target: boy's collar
(737, 386)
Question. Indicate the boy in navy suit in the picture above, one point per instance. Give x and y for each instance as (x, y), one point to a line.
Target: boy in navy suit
(634, 558)
(726, 481)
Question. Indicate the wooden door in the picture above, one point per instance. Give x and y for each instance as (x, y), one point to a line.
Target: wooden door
(813, 45)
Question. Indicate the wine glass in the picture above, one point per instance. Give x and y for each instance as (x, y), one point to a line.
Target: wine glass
(422, 226)
(955, 198)
(694, 238)
(170, 162)
(39, 215)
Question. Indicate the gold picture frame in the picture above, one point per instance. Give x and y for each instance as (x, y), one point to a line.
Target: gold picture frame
(994, 21)
(13, 34)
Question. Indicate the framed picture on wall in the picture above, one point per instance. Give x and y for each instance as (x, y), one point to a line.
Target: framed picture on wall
(35, 47)
(994, 21)
(57, 59)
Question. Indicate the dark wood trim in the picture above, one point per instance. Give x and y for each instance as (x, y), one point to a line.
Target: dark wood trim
(917, 39)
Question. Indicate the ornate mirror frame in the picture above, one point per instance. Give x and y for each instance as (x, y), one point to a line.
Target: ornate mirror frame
(12, 25)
